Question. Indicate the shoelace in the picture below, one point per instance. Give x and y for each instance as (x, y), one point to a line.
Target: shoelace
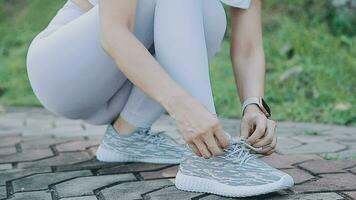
(239, 151)
(152, 137)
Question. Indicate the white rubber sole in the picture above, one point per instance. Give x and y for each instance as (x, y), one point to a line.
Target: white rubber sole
(197, 184)
(106, 155)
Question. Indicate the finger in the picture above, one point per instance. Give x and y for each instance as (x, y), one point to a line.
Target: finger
(212, 145)
(245, 129)
(270, 152)
(195, 149)
(222, 138)
(260, 130)
(202, 148)
(269, 147)
(269, 136)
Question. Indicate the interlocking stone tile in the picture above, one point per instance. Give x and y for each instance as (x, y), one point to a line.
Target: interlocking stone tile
(40, 143)
(5, 166)
(347, 154)
(286, 143)
(133, 190)
(341, 130)
(10, 133)
(132, 167)
(26, 138)
(315, 148)
(39, 124)
(7, 150)
(85, 185)
(351, 194)
(327, 166)
(7, 175)
(271, 196)
(215, 197)
(329, 182)
(286, 161)
(62, 159)
(9, 141)
(90, 165)
(298, 175)
(346, 140)
(310, 138)
(38, 195)
(2, 192)
(67, 122)
(100, 129)
(58, 131)
(353, 170)
(315, 196)
(29, 155)
(8, 123)
(171, 193)
(76, 145)
(70, 131)
(42, 181)
(164, 173)
(80, 198)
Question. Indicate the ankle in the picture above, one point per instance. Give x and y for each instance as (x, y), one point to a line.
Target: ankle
(123, 127)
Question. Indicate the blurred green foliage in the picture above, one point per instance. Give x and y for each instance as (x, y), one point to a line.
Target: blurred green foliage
(310, 51)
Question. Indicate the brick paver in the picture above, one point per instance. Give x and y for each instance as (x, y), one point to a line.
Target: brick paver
(37, 195)
(42, 181)
(45, 157)
(327, 166)
(329, 182)
(86, 185)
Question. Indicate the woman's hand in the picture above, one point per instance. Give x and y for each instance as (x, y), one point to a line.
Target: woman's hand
(200, 129)
(258, 130)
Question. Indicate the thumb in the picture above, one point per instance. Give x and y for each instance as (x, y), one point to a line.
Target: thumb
(244, 129)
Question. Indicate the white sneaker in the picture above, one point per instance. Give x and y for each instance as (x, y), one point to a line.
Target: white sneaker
(141, 146)
(237, 173)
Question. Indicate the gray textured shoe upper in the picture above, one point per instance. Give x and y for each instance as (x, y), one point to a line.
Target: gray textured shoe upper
(143, 143)
(237, 167)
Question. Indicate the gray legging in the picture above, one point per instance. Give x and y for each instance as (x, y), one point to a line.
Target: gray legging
(72, 76)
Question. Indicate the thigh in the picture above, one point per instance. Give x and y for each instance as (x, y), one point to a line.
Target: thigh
(67, 67)
(214, 25)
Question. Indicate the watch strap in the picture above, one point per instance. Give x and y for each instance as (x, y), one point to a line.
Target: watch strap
(249, 101)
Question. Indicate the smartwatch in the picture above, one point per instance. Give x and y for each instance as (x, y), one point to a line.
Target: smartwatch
(261, 104)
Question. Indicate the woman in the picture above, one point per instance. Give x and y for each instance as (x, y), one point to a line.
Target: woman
(123, 63)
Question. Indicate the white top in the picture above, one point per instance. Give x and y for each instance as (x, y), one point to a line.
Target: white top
(245, 4)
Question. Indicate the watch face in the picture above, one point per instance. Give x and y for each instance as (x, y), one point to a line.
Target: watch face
(266, 107)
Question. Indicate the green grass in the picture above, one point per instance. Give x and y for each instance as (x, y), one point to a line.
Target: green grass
(291, 39)
(311, 133)
(332, 156)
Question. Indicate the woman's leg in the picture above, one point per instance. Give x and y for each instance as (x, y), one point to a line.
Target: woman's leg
(72, 75)
(187, 33)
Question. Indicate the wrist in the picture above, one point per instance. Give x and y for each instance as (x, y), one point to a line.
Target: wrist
(259, 102)
(252, 108)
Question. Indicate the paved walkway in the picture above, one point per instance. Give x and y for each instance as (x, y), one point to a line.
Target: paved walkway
(45, 157)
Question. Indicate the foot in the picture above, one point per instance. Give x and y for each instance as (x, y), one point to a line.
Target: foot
(237, 173)
(141, 146)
